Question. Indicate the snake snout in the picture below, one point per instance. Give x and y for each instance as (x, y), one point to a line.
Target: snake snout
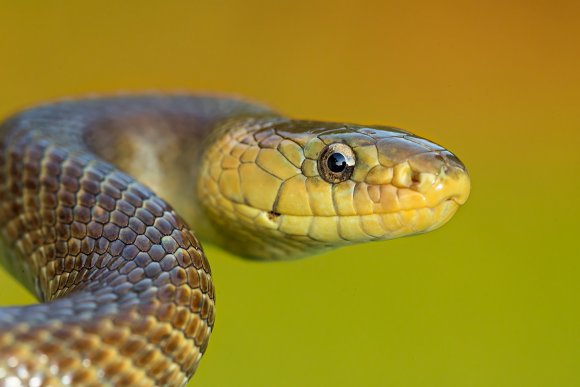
(423, 173)
(427, 187)
(458, 181)
(440, 176)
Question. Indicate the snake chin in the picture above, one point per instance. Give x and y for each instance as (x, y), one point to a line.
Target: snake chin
(284, 236)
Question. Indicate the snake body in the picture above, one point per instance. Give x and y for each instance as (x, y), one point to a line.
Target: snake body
(127, 292)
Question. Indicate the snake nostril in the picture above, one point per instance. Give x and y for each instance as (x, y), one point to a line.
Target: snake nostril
(415, 177)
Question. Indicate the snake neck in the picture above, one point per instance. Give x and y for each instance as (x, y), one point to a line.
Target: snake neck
(161, 142)
(228, 219)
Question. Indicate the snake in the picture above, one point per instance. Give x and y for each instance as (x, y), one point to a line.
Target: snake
(125, 288)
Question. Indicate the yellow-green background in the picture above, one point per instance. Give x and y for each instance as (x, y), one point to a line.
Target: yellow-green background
(491, 299)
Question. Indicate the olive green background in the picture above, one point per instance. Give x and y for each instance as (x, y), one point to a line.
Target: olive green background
(491, 299)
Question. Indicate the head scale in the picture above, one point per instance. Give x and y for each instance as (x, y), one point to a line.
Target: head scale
(277, 188)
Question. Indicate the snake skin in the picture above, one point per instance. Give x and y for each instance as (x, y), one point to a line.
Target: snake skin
(127, 291)
(129, 298)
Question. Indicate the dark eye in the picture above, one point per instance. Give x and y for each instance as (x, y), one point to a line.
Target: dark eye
(336, 163)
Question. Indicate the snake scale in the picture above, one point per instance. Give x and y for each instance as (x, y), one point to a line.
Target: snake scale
(126, 290)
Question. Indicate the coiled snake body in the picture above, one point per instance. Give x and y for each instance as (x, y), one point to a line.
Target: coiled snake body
(126, 288)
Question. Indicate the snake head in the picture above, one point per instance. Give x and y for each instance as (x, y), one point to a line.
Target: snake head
(276, 188)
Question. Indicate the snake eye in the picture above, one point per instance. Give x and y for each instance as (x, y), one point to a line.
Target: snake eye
(336, 163)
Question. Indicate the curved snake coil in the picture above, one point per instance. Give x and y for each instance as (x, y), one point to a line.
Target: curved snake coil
(127, 292)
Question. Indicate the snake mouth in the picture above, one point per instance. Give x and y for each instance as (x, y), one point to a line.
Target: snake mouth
(387, 212)
(347, 229)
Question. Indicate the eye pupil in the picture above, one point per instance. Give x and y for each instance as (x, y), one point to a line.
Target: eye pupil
(337, 162)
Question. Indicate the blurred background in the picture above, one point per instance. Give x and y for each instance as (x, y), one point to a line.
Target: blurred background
(491, 299)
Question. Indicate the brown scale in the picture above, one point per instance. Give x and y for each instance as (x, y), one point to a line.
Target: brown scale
(128, 290)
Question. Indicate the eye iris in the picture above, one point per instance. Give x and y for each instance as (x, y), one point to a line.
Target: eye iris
(336, 162)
